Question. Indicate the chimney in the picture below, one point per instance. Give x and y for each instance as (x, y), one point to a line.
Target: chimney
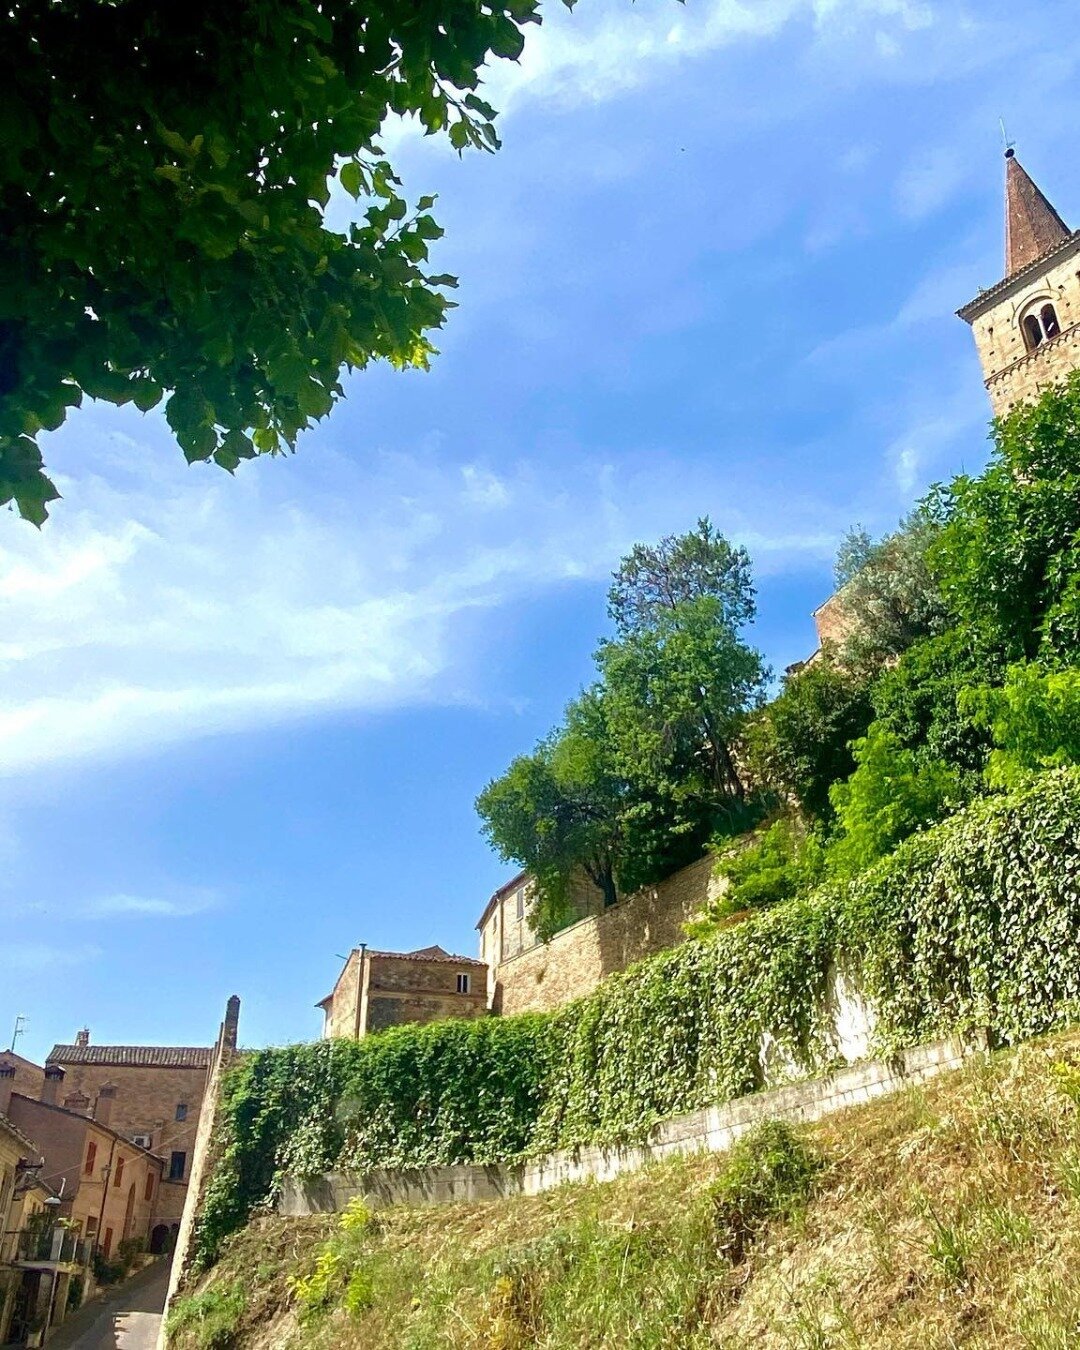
(7, 1083)
(231, 1024)
(54, 1080)
(82, 1038)
(103, 1108)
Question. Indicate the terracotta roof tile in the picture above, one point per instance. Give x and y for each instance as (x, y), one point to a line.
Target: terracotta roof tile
(430, 954)
(1032, 226)
(134, 1056)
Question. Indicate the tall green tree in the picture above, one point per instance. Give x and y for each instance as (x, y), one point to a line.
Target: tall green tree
(164, 178)
(558, 813)
(654, 579)
(677, 692)
(1008, 559)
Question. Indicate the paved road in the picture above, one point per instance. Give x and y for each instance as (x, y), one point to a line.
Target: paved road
(127, 1319)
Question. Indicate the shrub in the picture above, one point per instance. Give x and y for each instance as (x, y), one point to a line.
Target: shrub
(888, 797)
(208, 1320)
(769, 1174)
(798, 745)
(1034, 720)
(784, 862)
(338, 1276)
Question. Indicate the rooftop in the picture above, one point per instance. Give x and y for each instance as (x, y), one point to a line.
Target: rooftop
(133, 1056)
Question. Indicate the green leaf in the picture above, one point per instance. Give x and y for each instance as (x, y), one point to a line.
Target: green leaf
(352, 178)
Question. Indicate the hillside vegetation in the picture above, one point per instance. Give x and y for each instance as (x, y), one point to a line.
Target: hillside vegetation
(944, 1216)
(975, 922)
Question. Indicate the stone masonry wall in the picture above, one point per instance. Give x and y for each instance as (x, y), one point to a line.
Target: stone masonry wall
(575, 961)
(1011, 372)
(225, 1053)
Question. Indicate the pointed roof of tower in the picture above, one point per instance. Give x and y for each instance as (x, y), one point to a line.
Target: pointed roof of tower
(1032, 226)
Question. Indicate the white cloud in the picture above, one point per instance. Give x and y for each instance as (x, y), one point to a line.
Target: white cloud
(163, 603)
(180, 906)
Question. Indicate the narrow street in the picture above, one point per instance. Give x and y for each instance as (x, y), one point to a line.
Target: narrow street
(127, 1319)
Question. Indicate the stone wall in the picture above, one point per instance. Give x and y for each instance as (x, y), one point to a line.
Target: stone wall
(202, 1154)
(1011, 372)
(574, 962)
(712, 1129)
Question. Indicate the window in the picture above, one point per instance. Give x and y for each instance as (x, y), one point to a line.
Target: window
(181, 1111)
(177, 1163)
(149, 1193)
(106, 1246)
(91, 1225)
(463, 984)
(521, 904)
(1050, 324)
(1032, 332)
(91, 1158)
(143, 1140)
(119, 1176)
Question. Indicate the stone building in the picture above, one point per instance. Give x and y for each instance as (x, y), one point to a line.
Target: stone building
(504, 927)
(108, 1185)
(1027, 326)
(29, 1077)
(155, 1097)
(527, 975)
(376, 990)
(22, 1197)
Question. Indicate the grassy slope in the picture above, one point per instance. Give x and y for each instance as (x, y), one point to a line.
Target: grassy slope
(946, 1216)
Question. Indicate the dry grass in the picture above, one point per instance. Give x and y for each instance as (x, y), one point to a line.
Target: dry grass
(948, 1216)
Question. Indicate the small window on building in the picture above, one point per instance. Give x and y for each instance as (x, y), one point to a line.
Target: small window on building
(181, 1111)
(119, 1175)
(1051, 327)
(149, 1193)
(463, 984)
(91, 1225)
(177, 1163)
(106, 1246)
(521, 904)
(91, 1159)
(1032, 332)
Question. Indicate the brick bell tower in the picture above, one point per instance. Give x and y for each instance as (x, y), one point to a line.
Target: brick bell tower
(1027, 327)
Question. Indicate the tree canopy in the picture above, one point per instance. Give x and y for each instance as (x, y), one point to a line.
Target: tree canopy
(164, 178)
(642, 770)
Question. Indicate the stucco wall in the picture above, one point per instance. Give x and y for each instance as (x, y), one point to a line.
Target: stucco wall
(575, 961)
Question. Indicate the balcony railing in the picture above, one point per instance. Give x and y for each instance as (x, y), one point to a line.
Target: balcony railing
(57, 1246)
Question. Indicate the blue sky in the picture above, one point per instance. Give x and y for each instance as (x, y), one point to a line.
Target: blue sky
(713, 270)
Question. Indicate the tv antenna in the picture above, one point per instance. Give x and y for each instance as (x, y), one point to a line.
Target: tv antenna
(20, 1028)
(1010, 146)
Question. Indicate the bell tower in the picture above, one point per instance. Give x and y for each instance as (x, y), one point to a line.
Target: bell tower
(1027, 327)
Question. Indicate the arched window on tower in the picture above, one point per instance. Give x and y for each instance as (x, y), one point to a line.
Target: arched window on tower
(1051, 327)
(1033, 333)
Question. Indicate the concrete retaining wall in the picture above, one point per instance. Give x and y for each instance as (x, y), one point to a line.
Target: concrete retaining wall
(712, 1129)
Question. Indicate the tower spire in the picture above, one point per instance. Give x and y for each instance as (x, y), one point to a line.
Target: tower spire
(1031, 224)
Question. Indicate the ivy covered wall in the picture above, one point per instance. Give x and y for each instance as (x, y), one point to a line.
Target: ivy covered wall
(973, 923)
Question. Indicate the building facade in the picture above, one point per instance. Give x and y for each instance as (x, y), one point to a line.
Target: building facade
(1027, 326)
(151, 1095)
(376, 990)
(108, 1186)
